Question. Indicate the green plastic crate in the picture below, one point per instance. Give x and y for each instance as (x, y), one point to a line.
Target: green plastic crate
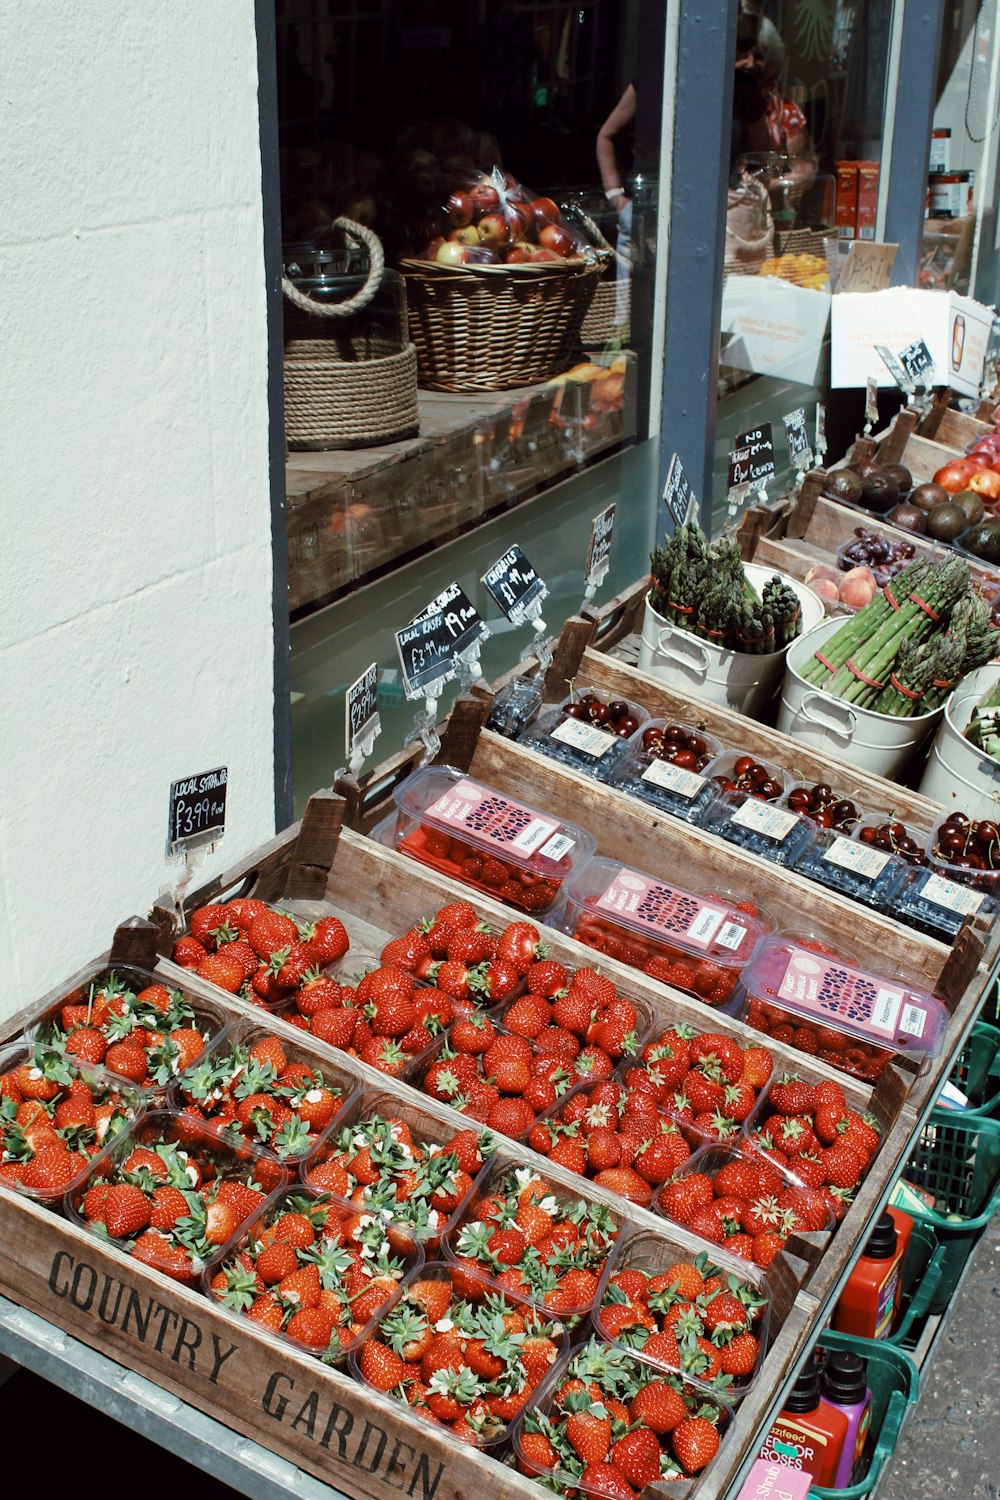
(893, 1380)
(989, 1011)
(976, 1071)
(958, 1160)
(922, 1272)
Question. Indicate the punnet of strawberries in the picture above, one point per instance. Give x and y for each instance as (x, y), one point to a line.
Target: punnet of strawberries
(471, 961)
(384, 1167)
(705, 1081)
(257, 951)
(314, 1272)
(810, 1131)
(623, 1142)
(131, 1024)
(56, 1113)
(172, 1195)
(254, 1086)
(377, 1012)
(740, 1199)
(537, 1240)
(611, 1424)
(461, 1353)
(579, 1015)
(692, 1315)
(492, 1076)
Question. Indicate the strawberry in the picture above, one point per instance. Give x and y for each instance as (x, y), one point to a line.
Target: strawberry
(188, 952)
(329, 941)
(844, 1164)
(658, 1406)
(606, 1480)
(682, 1198)
(51, 1170)
(457, 914)
(510, 1117)
(223, 970)
(209, 925)
(381, 1366)
(313, 1326)
(268, 1312)
(520, 945)
(536, 1452)
(335, 1026)
(696, 1443)
(624, 1181)
(718, 1055)
(588, 1432)
(497, 980)
(739, 1356)
(569, 1154)
(125, 1211)
(88, 1044)
(758, 1065)
(792, 1096)
(270, 932)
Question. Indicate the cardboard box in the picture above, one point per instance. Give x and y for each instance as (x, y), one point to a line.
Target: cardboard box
(778, 328)
(955, 329)
(867, 199)
(846, 218)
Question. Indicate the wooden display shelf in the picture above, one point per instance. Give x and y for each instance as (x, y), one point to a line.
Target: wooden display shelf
(353, 512)
(316, 1417)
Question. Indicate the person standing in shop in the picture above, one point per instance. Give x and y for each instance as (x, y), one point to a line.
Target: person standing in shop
(618, 127)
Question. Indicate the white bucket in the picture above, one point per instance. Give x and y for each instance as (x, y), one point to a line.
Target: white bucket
(958, 775)
(878, 743)
(738, 680)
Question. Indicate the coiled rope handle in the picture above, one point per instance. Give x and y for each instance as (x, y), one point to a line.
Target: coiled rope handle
(754, 190)
(369, 241)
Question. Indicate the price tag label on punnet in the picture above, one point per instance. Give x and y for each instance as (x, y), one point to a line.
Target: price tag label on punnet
(678, 495)
(751, 461)
(466, 624)
(515, 585)
(918, 362)
(599, 550)
(363, 722)
(895, 368)
(197, 811)
(797, 438)
(426, 654)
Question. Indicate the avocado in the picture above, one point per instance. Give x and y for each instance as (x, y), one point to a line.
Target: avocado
(982, 541)
(945, 522)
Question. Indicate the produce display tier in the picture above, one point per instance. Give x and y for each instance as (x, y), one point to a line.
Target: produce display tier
(285, 1400)
(290, 1419)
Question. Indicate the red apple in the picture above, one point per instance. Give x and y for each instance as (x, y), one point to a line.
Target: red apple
(520, 254)
(485, 198)
(451, 253)
(986, 482)
(459, 209)
(979, 460)
(545, 211)
(467, 235)
(494, 232)
(520, 221)
(478, 255)
(555, 237)
(543, 253)
(954, 476)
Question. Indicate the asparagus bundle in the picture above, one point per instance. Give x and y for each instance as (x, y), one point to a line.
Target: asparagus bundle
(984, 726)
(703, 589)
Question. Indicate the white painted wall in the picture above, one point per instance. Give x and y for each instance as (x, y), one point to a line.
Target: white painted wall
(135, 561)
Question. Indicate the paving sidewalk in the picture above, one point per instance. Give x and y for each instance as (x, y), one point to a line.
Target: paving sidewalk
(951, 1444)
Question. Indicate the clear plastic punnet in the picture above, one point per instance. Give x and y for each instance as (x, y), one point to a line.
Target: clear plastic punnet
(695, 943)
(853, 865)
(820, 992)
(588, 731)
(938, 906)
(665, 765)
(485, 839)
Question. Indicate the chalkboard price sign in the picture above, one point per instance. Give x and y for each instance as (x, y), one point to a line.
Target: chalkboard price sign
(917, 361)
(678, 495)
(599, 551)
(462, 618)
(363, 721)
(426, 653)
(899, 374)
(797, 439)
(197, 811)
(751, 461)
(515, 585)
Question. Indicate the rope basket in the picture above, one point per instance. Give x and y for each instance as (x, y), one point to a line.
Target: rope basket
(343, 390)
(491, 328)
(601, 325)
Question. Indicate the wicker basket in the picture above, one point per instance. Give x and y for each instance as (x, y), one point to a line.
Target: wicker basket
(601, 326)
(336, 394)
(491, 328)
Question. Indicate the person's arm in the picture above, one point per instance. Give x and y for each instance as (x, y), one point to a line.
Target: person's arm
(621, 116)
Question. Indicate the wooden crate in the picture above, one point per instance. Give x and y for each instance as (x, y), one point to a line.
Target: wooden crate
(317, 1418)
